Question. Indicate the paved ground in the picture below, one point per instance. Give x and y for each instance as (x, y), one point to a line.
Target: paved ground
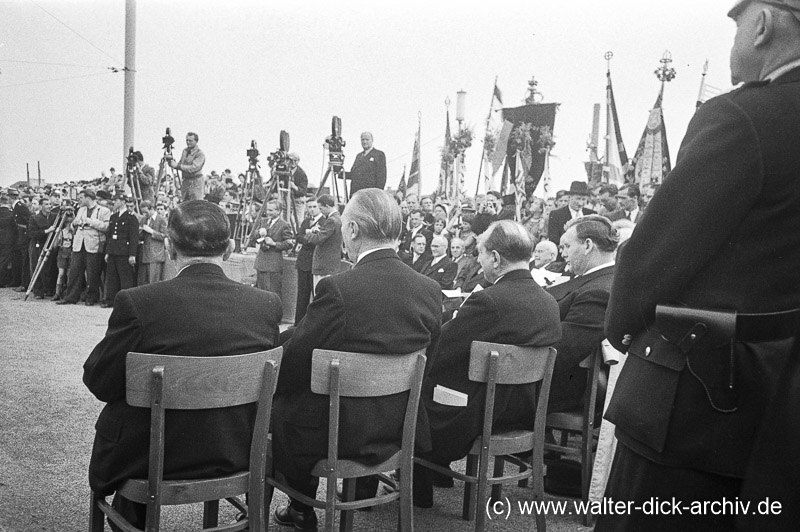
(47, 426)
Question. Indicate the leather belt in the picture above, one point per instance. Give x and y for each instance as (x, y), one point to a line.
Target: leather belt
(768, 326)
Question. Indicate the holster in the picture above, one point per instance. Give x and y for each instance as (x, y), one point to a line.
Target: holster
(707, 338)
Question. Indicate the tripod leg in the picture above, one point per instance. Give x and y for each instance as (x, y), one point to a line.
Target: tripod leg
(324, 179)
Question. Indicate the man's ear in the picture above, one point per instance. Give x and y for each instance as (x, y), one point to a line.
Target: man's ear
(765, 28)
(231, 247)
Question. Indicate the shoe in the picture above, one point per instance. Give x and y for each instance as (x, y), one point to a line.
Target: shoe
(90, 303)
(56, 297)
(440, 480)
(104, 305)
(20, 289)
(288, 516)
(38, 296)
(65, 302)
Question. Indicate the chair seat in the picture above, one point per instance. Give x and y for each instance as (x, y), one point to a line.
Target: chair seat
(571, 420)
(515, 441)
(189, 491)
(353, 469)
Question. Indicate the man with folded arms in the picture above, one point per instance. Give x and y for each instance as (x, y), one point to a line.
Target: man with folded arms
(513, 310)
(199, 313)
(349, 314)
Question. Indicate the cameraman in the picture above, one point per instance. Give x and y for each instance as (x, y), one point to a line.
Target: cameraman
(191, 167)
(298, 183)
(147, 178)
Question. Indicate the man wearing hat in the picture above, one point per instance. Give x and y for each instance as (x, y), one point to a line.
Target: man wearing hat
(578, 196)
(705, 301)
(122, 241)
(90, 223)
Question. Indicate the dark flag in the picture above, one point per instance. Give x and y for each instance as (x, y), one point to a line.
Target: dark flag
(402, 186)
(539, 115)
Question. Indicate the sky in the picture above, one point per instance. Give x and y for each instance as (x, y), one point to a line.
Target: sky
(237, 71)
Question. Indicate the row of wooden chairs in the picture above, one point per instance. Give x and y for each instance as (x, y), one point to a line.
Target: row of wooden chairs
(162, 382)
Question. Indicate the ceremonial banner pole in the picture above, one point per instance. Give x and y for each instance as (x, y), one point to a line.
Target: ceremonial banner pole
(39, 169)
(609, 122)
(28, 173)
(700, 94)
(130, 78)
(483, 151)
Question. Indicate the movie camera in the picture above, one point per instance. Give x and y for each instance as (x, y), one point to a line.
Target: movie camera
(279, 159)
(168, 141)
(252, 153)
(335, 143)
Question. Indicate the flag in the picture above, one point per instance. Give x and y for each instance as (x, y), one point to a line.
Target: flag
(402, 186)
(446, 169)
(540, 116)
(497, 94)
(651, 164)
(611, 171)
(545, 188)
(499, 156)
(519, 185)
(414, 176)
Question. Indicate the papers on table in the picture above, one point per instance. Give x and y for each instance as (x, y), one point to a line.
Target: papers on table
(446, 396)
(545, 278)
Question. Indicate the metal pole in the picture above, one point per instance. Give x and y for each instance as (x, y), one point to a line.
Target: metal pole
(39, 168)
(28, 173)
(130, 77)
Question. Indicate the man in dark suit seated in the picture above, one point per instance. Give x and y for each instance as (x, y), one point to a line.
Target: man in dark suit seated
(199, 313)
(419, 256)
(589, 246)
(351, 312)
(578, 196)
(440, 267)
(514, 310)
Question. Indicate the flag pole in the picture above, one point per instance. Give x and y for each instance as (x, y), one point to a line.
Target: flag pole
(609, 119)
(702, 86)
(483, 151)
(419, 163)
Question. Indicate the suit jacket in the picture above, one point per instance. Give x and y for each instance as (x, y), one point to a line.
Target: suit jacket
(37, 225)
(470, 276)
(300, 179)
(619, 214)
(368, 172)
(270, 258)
(405, 245)
(198, 313)
(90, 230)
(419, 264)
(328, 242)
(582, 303)
(720, 234)
(558, 219)
(122, 235)
(305, 255)
(8, 228)
(22, 216)
(351, 313)
(443, 272)
(153, 249)
(514, 311)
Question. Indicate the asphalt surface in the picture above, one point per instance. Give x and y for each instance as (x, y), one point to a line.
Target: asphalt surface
(47, 422)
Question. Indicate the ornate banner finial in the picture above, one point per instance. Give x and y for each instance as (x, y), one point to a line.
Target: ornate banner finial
(665, 73)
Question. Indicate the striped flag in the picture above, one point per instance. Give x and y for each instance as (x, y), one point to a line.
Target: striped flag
(651, 163)
(519, 184)
(414, 176)
(402, 186)
(446, 169)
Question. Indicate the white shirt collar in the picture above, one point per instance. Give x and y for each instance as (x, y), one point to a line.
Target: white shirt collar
(365, 253)
(600, 267)
(780, 71)
(436, 260)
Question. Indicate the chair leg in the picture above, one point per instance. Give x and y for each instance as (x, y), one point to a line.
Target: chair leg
(499, 469)
(406, 515)
(268, 491)
(468, 509)
(210, 514)
(96, 516)
(480, 496)
(349, 494)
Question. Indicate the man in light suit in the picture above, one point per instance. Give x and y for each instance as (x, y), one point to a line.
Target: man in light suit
(514, 310)
(349, 314)
(305, 259)
(705, 301)
(327, 240)
(369, 168)
(273, 236)
(154, 254)
(90, 223)
(200, 313)
(589, 245)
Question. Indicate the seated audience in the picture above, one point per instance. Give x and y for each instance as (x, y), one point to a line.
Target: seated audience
(514, 310)
(200, 313)
(544, 257)
(419, 255)
(440, 267)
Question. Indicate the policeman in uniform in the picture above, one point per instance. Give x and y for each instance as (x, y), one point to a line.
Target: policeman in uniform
(706, 294)
(122, 241)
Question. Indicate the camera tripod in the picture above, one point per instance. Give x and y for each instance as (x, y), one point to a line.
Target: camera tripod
(48, 248)
(165, 172)
(334, 144)
(133, 174)
(243, 225)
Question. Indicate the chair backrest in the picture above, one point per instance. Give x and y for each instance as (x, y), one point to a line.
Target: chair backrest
(495, 364)
(197, 383)
(167, 382)
(344, 374)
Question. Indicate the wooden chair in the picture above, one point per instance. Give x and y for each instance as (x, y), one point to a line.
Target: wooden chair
(582, 422)
(342, 374)
(504, 364)
(165, 382)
